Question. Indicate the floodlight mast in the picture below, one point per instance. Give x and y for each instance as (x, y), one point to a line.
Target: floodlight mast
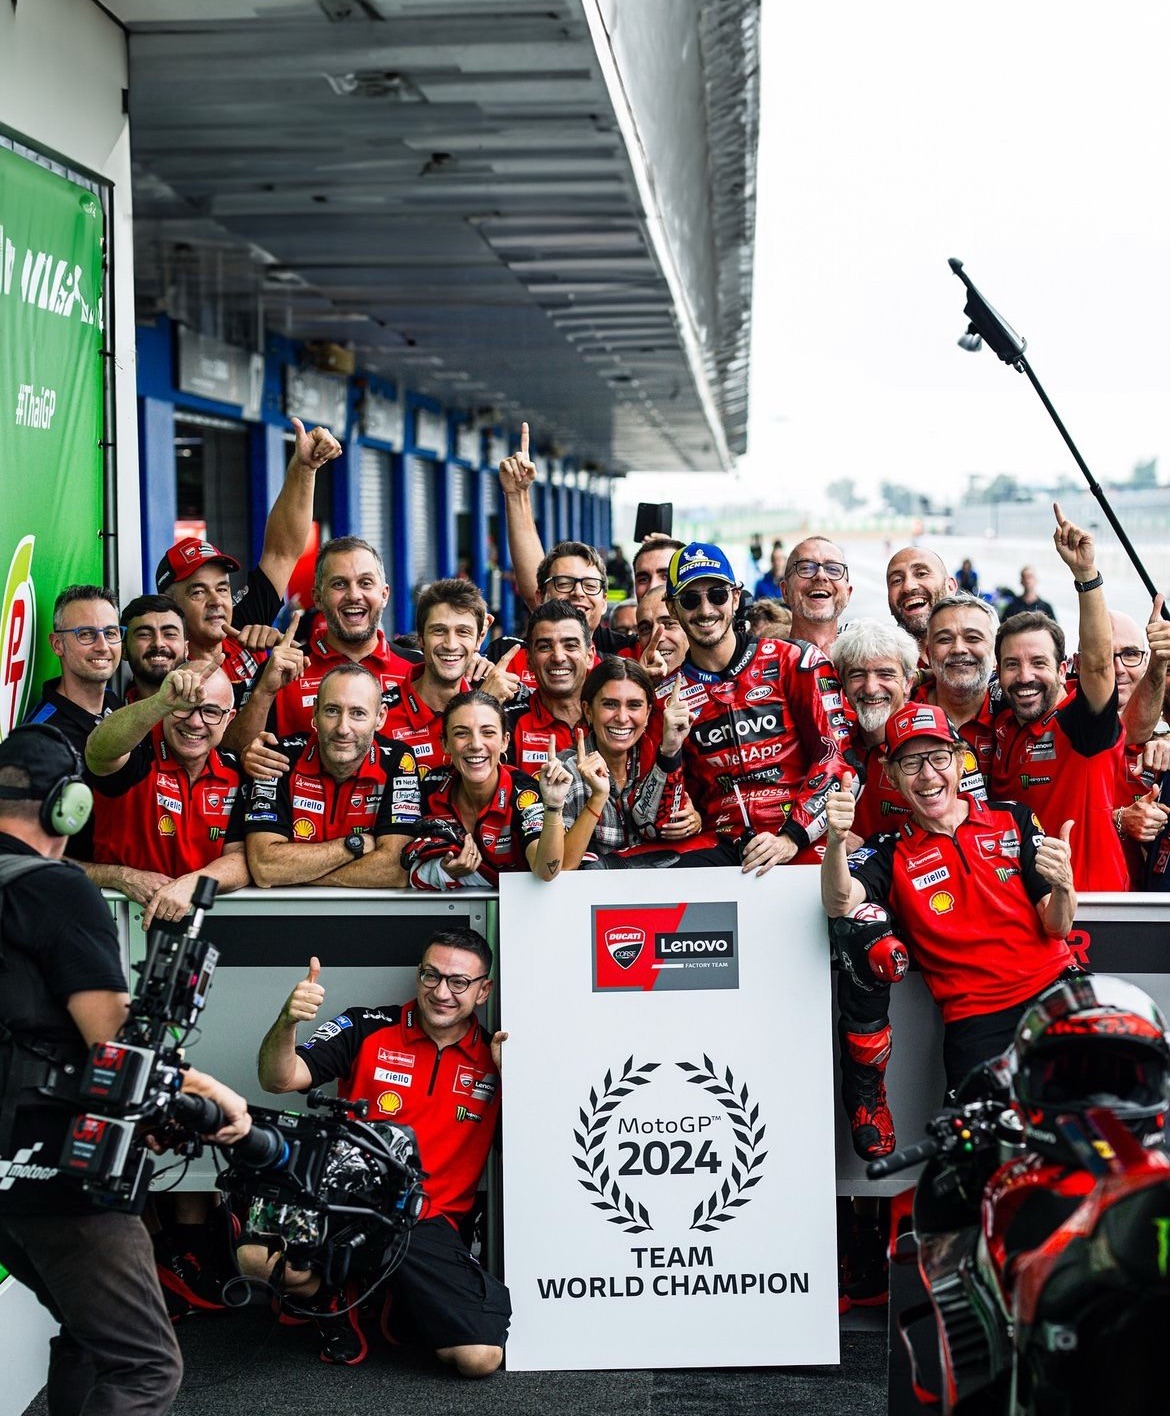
(987, 324)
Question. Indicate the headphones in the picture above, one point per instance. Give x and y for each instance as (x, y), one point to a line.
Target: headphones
(68, 803)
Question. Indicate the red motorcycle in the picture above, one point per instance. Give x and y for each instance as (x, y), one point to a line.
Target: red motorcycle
(1043, 1218)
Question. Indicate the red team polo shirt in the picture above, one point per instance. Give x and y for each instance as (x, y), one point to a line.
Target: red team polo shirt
(294, 704)
(530, 727)
(503, 829)
(150, 815)
(307, 804)
(450, 1097)
(410, 722)
(965, 904)
(1063, 767)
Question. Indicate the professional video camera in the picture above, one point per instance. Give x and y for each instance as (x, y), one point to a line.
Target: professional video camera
(341, 1193)
(326, 1186)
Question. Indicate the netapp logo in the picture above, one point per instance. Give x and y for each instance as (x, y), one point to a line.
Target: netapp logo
(718, 945)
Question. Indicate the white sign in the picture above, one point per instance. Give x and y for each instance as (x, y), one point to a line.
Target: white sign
(668, 1120)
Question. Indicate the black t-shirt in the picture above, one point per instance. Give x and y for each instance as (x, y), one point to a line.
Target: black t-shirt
(57, 927)
(257, 602)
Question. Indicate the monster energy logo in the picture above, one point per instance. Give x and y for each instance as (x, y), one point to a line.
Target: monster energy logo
(1162, 1229)
(1026, 781)
(1004, 872)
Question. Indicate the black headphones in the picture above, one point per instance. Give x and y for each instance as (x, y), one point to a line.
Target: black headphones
(67, 804)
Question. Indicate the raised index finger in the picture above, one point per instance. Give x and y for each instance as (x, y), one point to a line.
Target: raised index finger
(506, 659)
(675, 691)
(290, 633)
(523, 439)
(580, 747)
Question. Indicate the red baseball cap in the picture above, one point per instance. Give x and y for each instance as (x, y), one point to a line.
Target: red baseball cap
(184, 558)
(917, 720)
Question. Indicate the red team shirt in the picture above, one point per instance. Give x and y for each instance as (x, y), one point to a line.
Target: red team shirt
(410, 722)
(530, 727)
(1065, 767)
(450, 1097)
(771, 724)
(307, 804)
(512, 818)
(294, 704)
(965, 904)
(150, 816)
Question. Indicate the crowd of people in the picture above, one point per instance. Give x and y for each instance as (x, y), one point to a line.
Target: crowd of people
(956, 778)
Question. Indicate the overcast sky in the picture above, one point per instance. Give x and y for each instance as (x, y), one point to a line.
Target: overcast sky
(1028, 139)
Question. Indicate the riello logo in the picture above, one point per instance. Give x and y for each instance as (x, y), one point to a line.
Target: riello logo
(18, 636)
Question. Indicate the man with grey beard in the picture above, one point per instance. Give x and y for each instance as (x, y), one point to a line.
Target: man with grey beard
(916, 579)
(960, 646)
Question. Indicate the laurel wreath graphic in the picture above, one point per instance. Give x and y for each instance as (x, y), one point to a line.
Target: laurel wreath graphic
(611, 1199)
(726, 1199)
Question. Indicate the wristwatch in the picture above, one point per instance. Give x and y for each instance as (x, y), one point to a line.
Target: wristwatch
(355, 844)
(1082, 587)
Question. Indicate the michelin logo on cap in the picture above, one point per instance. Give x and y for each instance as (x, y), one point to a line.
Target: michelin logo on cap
(698, 561)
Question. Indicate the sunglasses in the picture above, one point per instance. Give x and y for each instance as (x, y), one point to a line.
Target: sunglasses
(692, 599)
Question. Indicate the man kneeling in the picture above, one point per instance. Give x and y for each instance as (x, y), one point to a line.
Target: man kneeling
(429, 1065)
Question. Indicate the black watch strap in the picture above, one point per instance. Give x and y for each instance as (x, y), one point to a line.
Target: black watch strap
(1082, 587)
(355, 843)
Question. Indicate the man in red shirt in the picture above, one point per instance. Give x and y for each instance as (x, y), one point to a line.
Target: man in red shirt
(196, 575)
(427, 1064)
(155, 643)
(1054, 749)
(983, 899)
(769, 724)
(348, 804)
(960, 649)
(916, 579)
(560, 653)
(816, 590)
(165, 797)
(876, 664)
(350, 590)
(451, 619)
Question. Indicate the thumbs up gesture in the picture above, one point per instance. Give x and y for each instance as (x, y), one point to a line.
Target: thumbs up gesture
(306, 998)
(1054, 857)
(1144, 818)
(840, 809)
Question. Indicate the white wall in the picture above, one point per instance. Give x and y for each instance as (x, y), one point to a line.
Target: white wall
(65, 69)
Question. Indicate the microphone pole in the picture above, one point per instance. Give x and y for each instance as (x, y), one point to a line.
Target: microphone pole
(987, 324)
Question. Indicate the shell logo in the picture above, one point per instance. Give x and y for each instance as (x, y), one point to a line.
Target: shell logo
(407, 762)
(942, 902)
(389, 1103)
(166, 825)
(969, 762)
(527, 798)
(303, 830)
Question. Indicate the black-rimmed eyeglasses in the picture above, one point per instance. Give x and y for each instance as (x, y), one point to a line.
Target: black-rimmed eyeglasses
(457, 983)
(807, 570)
(1131, 656)
(211, 713)
(940, 758)
(566, 584)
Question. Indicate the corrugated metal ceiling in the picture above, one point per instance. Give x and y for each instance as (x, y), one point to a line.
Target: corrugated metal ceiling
(442, 184)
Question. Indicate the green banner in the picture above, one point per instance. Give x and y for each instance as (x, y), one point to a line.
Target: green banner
(51, 414)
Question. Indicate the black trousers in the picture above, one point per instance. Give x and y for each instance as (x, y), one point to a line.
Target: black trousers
(116, 1353)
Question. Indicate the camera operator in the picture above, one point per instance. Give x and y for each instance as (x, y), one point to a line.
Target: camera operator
(62, 990)
(429, 1065)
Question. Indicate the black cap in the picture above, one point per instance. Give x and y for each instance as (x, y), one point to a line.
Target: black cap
(44, 752)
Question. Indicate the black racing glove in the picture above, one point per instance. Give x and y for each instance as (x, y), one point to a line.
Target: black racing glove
(867, 948)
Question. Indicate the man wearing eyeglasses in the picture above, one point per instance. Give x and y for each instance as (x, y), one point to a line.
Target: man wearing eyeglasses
(816, 590)
(983, 899)
(166, 800)
(769, 724)
(87, 639)
(430, 1065)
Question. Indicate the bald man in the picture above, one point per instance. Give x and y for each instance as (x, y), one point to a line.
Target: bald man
(816, 589)
(916, 579)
